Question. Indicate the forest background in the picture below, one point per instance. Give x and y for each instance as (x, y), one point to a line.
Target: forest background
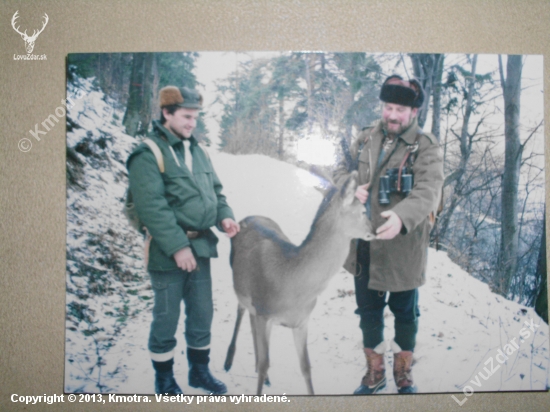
(306, 108)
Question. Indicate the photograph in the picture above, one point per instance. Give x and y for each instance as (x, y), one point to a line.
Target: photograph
(280, 223)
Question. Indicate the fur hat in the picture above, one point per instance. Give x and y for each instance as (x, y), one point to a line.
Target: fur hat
(399, 91)
(181, 97)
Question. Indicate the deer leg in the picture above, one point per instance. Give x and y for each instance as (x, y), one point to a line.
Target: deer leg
(262, 330)
(300, 340)
(253, 327)
(233, 345)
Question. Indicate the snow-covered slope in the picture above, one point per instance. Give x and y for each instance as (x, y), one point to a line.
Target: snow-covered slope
(462, 324)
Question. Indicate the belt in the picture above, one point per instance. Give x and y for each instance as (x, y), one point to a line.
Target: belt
(193, 234)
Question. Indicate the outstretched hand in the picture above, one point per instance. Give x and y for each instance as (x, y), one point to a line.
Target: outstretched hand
(391, 228)
(230, 227)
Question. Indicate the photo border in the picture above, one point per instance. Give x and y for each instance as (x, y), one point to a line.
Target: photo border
(32, 194)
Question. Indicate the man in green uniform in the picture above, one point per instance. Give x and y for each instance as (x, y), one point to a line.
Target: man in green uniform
(400, 170)
(178, 206)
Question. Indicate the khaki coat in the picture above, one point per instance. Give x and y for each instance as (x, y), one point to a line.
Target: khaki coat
(398, 264)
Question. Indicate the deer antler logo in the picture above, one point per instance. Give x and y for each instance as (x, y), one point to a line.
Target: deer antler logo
(29, 40)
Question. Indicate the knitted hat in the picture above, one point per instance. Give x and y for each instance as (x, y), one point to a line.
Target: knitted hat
(399, 91)
(181, 97)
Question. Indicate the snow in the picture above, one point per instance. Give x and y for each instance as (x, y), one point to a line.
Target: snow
(462, 324)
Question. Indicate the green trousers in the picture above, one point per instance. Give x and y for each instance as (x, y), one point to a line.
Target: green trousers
(170, 288)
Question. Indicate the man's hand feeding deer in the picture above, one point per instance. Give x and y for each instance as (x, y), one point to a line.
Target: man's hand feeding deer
(278, 282)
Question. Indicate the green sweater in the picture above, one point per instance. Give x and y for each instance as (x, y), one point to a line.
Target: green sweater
(171, 203)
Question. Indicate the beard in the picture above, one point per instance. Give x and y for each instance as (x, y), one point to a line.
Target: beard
(395, 128)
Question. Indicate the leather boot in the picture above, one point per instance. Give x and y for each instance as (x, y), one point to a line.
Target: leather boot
(164, 378)
(200, 377)
(375, 379)
(199, 374)
(402, 365)
(166, 383)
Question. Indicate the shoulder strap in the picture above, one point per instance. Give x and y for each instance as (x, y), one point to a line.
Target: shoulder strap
(363, 142)
(354, 163)
(156, 151)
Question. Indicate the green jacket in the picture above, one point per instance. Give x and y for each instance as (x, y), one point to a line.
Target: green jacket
(177, 201)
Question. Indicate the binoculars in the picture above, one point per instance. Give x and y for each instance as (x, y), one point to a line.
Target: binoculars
(388, 184)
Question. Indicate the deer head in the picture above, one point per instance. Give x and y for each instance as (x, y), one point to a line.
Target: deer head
(29, 40)
(353, 217)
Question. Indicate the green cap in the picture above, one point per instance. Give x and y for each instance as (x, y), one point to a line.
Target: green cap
(181, 97)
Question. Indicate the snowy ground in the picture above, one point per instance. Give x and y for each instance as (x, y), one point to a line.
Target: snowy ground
(462, 325)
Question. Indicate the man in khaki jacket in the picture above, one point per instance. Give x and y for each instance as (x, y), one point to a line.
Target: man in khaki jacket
(400, 180)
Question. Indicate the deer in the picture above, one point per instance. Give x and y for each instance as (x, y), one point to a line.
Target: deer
(278, 282)
(29, 40)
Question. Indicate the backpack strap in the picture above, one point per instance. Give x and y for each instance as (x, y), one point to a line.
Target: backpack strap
(129, 210)
(156, 151)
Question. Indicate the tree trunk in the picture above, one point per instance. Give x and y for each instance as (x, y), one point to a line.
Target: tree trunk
(138, 111)
(156, 81)
(508, 255)
(105, 73)
(437, 79)
(309, 64)
(436, 127)
(145, 111)
(281, 148)
(541, 304)
(465, 152)
(425, 67)
(118, 76)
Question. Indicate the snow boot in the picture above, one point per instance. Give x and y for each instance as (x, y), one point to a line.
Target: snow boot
(200, 377)
(402, 374)
(375, 379)
(164, 378)
(199, 373)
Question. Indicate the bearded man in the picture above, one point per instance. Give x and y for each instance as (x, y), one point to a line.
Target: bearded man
(400, 170)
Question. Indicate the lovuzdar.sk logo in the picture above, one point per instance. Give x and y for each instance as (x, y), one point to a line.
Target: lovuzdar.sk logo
(29, 40)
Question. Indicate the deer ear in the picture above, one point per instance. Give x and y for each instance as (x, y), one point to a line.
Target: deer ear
(325, 182)
(348, 190)
(323, 186)
(322, 189)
